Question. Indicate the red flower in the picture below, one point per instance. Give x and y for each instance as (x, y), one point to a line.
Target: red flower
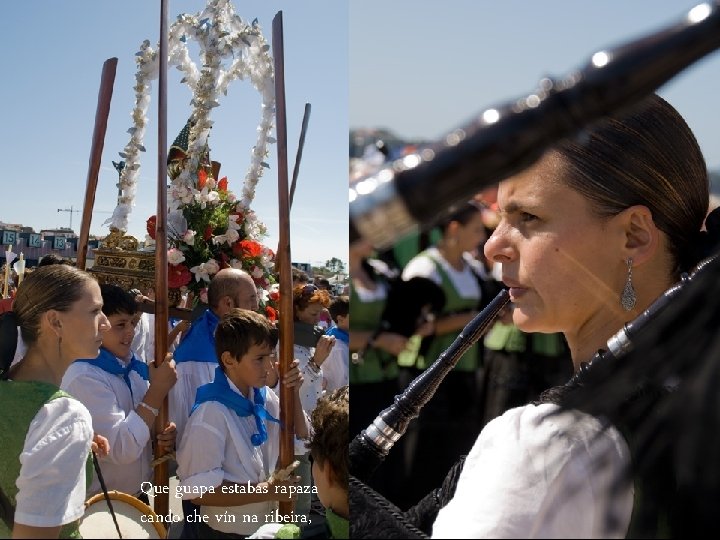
(202, 179)
(274, 296)
(150, 225)
(271, 313)
(207, 235)
(224, 261)
(251, 248)
(222, 184)
(178, 276)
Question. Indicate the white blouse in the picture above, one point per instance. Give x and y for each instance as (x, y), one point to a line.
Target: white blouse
(311, 388)
(464, 281)
(51, 485)
(533, 476)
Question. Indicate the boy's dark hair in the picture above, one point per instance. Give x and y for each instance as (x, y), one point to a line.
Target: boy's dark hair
(117, 300)
(339, 306)
(239, 330)
(331, 424)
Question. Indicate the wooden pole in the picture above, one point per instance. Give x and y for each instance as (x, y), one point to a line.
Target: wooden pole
(287, 431)
(102, 112)
(161, 475)
(298, 155)
(296, 171)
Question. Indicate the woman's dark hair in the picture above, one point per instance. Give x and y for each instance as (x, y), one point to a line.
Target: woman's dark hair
(57, 286)
(645, 156)
(462, 214)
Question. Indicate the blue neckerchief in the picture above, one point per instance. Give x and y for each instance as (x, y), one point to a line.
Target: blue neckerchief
(198, 345)
(109, 363)
(340, 334)
(219, 390)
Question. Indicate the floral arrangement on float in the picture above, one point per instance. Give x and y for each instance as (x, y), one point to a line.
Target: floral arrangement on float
(209, 227)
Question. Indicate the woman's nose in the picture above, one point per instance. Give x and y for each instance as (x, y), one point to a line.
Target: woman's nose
(498, 248)
(104, 322)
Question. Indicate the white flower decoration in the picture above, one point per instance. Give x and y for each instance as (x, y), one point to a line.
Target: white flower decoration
(175, 256)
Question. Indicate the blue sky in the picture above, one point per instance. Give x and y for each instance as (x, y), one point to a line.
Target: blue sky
(421, 68)
(52, 61)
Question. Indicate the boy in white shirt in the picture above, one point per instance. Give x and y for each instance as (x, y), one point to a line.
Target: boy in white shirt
(123, 395)
(230, 445)
(336, 368)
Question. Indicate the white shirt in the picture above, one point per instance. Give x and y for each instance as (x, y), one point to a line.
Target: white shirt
(143, 343)
(464, 281)
(216, 447)
(190, 376)
(533, 476)
(51, 485)
(336, 368)
(108, 399)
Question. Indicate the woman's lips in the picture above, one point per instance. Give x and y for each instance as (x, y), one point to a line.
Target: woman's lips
(517, 292)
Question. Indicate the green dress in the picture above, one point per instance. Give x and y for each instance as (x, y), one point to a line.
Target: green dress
(19, 404)
(375, 365)
(454, 303)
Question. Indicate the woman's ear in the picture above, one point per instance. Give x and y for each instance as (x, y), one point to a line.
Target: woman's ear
(641, 235)
(52, 317)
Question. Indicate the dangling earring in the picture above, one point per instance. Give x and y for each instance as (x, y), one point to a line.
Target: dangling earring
(628, 298)
(59, 346)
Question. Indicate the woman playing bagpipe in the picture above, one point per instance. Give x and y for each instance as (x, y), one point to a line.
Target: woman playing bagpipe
(590, 237)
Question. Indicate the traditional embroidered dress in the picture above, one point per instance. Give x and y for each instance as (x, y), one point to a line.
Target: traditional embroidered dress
(44, 458)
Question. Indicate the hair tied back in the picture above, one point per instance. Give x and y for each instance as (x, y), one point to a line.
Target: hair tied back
(8, 341)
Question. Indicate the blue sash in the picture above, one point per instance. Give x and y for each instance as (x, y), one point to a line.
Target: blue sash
(110, 364)
(219, 390)
(342, 335)
(198, 345)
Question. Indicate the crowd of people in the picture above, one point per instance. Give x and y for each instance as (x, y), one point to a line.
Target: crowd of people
(79, 379)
